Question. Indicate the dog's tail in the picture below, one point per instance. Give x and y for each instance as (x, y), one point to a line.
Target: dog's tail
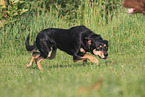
(30, 48)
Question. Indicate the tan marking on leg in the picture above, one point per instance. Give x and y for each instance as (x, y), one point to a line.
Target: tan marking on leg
(38, 63)
(49, 53)
(34, 56)
(31, 62)
(82, 50)
(52, 54)
(87, 56)
(91, 58)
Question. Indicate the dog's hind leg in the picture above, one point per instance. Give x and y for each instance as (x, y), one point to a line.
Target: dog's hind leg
(35, 55)
(50, 56)
(38, 62)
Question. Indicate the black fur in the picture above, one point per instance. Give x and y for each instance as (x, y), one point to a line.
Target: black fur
(67, 40)
(28, 47)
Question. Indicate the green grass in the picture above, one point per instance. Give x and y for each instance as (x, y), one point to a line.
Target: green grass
(123, 72)
(62, 78)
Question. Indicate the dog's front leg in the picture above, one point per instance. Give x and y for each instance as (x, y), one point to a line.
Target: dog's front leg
(84, 58)
(91, 58)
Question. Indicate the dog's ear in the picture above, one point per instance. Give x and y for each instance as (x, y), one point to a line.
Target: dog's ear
(106, 42)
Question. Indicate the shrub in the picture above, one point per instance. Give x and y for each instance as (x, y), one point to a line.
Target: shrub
(12, 12)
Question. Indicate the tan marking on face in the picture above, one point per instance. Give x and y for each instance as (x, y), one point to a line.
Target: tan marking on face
(105, 46)
(99, 53)
(89, 42)
(82, 50)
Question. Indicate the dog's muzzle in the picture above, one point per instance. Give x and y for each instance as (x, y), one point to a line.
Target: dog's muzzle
(100, 54)
(104, 57)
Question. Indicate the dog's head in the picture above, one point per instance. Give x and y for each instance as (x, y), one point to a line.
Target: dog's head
(135, 6)
(98, 46)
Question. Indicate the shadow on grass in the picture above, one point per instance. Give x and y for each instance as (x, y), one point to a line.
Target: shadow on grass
(65, 66)
(59, 66)
(106, 63)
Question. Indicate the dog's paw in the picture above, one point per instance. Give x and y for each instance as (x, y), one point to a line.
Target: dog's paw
(94, 60)
(40, 68)
(28, 65)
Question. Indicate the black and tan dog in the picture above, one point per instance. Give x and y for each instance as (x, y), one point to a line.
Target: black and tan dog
(75, 41)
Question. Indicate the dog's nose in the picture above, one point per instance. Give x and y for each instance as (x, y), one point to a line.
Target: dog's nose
(105, 54)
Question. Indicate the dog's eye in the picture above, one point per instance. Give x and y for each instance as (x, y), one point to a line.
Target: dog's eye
(99, 48)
